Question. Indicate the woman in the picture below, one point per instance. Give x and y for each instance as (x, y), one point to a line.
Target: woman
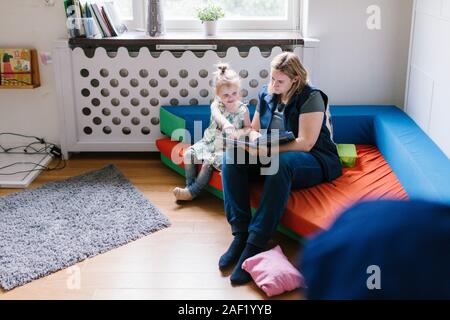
(289, 103)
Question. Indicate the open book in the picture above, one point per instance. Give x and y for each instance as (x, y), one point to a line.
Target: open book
(265, 140)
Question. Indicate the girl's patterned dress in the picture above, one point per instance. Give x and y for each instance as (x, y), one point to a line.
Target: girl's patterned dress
(210, 147)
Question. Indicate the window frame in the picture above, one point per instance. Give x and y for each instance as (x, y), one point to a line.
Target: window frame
(138, 21)
(297, 12)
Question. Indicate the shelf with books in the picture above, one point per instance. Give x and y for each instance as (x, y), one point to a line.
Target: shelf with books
(19, 69)
(93, 19)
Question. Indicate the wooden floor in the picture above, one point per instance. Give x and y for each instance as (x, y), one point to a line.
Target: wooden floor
(179, 262)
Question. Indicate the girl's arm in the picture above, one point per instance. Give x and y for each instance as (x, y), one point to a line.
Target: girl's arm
(219, 117)
(255, 127)
(247, 126)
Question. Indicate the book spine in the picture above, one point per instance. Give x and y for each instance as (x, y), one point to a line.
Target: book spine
(87, 22)
(78, 16)
(106, 22)
(96, 22)
(114, 16)
(109, 22)
(67, 5)
(101, 21)
(70, 12)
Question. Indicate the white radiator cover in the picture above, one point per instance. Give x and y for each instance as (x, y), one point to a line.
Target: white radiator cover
(111, 102)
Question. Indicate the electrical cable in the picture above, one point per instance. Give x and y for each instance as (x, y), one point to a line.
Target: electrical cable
(50, 149)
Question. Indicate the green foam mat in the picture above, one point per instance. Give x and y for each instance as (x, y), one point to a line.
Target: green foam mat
(169, 122)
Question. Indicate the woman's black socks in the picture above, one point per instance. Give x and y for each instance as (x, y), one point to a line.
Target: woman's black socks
(239, 275)
(234, 251)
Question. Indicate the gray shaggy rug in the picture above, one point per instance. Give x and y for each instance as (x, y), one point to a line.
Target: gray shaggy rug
(55, 226)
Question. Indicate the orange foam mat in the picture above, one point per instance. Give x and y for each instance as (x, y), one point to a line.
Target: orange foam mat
(314, 209)
(167, 147)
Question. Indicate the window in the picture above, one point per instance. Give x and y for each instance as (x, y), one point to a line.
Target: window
(240, 15)
(125, 8)
(132, 12)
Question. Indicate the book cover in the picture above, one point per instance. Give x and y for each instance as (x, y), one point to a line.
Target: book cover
(15, 61)
(67, 5)
(15, 67)
(265, 140)
(109, 24)
(16, 79)
(113, 14)
(98, 15)
(96, 27)
(70, 12)
(90, 24)
(78, 16)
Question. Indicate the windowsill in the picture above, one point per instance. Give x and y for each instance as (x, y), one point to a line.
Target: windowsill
(223, 39)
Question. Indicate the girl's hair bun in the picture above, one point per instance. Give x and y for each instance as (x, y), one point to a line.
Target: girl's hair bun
(222, 67)
(225, 76)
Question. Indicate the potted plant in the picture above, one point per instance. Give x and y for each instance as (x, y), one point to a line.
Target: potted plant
(209, 15)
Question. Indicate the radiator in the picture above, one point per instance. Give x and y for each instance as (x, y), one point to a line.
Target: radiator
(109, 101)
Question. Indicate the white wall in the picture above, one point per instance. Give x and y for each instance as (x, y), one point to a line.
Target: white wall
(428, 94)
(355, 65)
(358, 65)
(28, 23)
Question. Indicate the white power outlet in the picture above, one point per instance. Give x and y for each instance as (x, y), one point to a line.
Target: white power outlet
(49, 3)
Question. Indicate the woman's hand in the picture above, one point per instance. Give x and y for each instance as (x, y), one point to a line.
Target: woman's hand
(263, 151)
(235, 134)
(251, 151)
(254, 135)
(260, 151)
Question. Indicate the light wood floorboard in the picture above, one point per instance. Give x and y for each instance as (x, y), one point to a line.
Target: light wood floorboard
(179, 262)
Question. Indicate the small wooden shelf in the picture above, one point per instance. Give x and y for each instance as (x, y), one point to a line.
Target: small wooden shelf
(35, 75)
(31, 86)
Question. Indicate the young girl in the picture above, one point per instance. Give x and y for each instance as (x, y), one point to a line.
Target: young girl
(230, 117)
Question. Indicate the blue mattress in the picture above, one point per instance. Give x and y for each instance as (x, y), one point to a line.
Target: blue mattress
(421, 167)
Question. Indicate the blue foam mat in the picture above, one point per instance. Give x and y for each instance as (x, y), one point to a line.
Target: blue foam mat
(421, 167)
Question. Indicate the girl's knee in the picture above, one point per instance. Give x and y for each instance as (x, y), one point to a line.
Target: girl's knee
(208, 165)
(189, 155)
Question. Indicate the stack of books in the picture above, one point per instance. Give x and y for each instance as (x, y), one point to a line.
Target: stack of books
(86, 16)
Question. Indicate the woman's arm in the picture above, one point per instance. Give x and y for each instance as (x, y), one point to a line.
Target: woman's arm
(310, 125)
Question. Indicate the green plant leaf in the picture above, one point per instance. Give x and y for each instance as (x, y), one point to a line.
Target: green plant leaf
(210, 12)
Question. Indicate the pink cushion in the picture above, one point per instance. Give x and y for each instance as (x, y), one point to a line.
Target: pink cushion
(273, 272)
